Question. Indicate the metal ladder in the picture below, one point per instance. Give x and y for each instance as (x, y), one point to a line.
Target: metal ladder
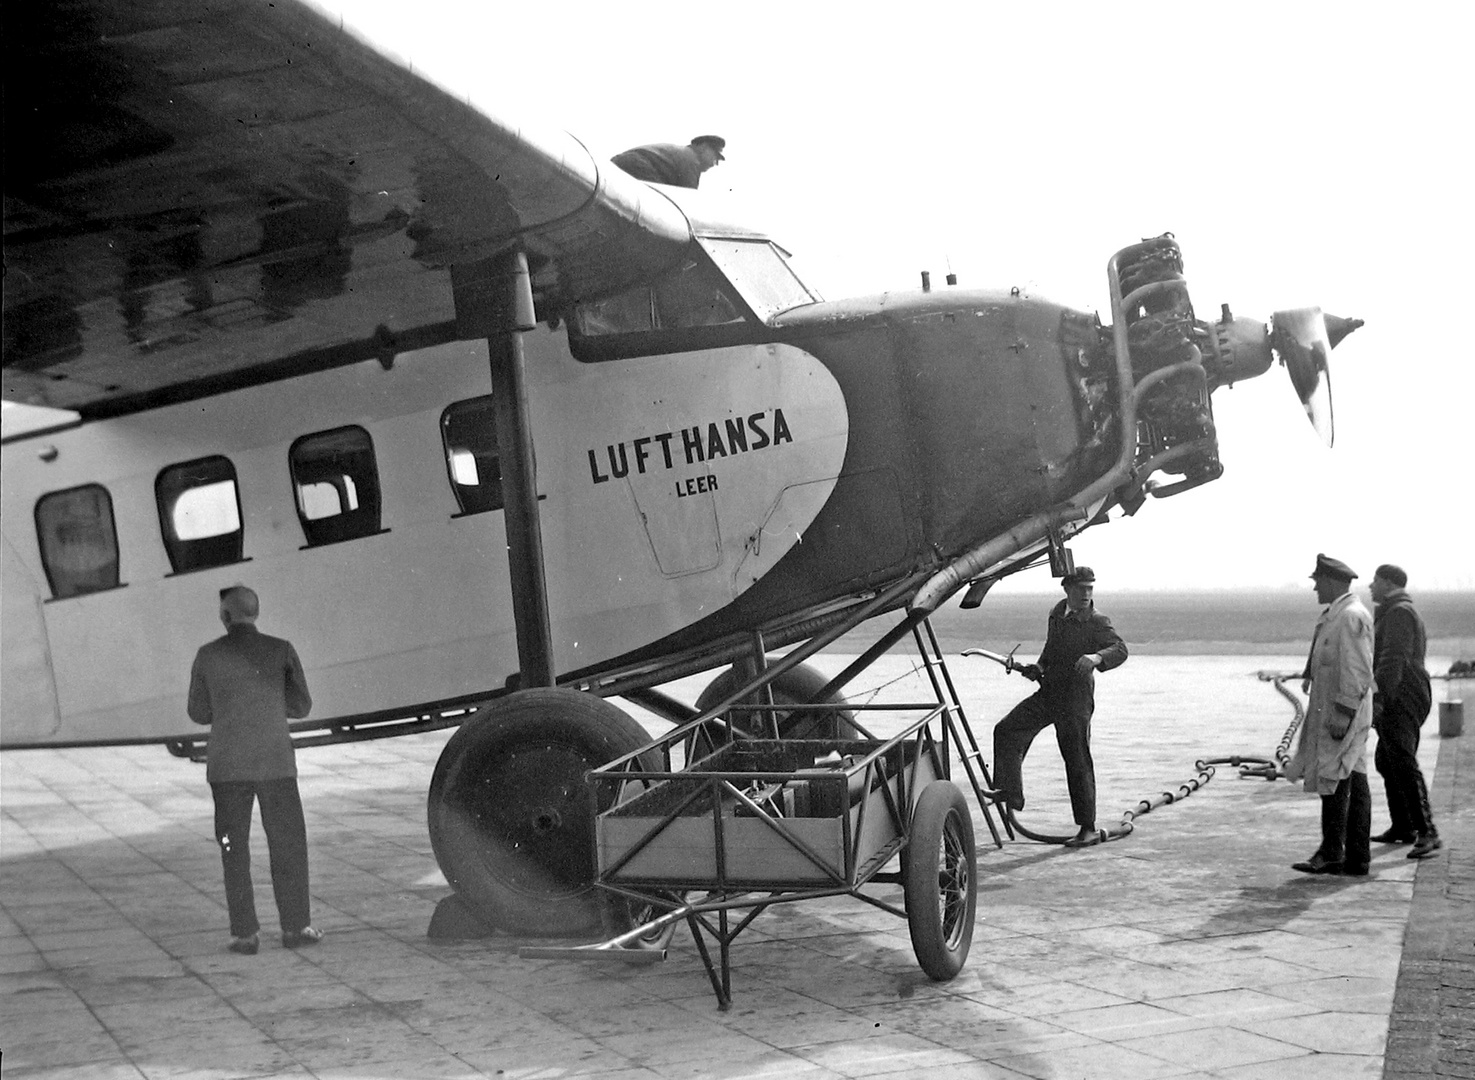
(958, 728)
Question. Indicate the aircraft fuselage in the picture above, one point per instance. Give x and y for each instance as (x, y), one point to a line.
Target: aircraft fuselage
(683, 495)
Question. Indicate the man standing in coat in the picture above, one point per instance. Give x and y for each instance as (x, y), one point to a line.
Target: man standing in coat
(1331, 756)
(1080, 641)
(245, 685)
(1400, 705)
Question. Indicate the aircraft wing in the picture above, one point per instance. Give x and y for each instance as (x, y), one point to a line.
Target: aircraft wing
(206, 194)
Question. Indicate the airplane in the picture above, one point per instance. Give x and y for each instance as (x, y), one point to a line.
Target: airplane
(498, 433)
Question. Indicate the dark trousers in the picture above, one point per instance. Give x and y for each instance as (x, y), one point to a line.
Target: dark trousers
(1397, 760)
(286, 844)
(1347, 822)
(1012, 738)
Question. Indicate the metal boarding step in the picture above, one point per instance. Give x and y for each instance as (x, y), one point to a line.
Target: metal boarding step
(959, 730)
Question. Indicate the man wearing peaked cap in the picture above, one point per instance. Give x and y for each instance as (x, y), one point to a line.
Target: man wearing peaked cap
(1331, 756)
(1079, 642)
(667, 163)
(1326, 566)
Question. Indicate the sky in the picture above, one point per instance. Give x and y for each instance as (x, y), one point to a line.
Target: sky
(1302, 153)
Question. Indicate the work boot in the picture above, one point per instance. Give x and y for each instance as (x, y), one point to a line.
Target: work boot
(1425, 846)
(1010, 800)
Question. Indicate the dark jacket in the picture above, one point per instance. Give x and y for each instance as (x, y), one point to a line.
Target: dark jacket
(1069, 638)
(245, 685)
(662, 163)
(1399, 641)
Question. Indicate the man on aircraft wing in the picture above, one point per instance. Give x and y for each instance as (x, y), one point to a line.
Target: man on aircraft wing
(1079, 642)
(667, 163)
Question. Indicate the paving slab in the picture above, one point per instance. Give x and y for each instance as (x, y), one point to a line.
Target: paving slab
(1188, 949)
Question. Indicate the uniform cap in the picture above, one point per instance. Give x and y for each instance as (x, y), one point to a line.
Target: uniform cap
(1081, 575)
(716, 142)
(1326, 566)
(1391, 573)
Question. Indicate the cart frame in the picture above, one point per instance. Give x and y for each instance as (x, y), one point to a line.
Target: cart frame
(762, 821)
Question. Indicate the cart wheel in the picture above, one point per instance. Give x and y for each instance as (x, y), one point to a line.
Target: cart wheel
(510, 814)
(794, 687)
(940, 880)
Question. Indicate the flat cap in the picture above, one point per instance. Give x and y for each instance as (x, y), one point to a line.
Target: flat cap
(1081, 575)
(1326, 566)
(1389, 572)
(716, 142)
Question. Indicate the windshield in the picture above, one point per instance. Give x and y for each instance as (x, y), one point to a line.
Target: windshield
(760, 273)
(691, 295)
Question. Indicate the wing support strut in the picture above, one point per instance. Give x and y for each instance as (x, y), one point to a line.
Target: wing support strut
(494, 300)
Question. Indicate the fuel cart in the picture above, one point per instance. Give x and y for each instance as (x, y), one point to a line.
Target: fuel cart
(756, 821)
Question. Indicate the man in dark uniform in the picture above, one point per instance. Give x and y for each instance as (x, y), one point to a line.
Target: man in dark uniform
(1401, 703)
(1079, 642)
(667, 163)
(245, 685)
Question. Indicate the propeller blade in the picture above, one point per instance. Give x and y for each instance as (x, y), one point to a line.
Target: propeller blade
(1302, 341)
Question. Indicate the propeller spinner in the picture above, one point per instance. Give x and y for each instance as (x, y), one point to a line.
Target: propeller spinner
(1303, 338)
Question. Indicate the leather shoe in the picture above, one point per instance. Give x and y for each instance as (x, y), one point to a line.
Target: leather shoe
(296, 939)
(1085, 838)
(1391, 837)
(1317, 865)
(1426, 846)
(1348, 870)
(246, 946)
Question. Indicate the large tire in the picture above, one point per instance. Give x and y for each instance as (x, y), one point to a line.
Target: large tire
(511, 816)
(941, 880)
(796, 686)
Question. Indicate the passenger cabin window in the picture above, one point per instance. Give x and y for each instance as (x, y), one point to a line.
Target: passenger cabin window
(469, 431)
(200, 514)
(337, 483)
(78, 539)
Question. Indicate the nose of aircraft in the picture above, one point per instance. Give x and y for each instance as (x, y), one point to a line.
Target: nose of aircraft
(1303, 338)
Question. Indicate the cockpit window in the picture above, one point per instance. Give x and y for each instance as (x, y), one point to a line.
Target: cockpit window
(691, 295)
(759, 273)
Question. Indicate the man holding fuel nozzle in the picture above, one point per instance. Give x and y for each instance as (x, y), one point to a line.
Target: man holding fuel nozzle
(1080, 641)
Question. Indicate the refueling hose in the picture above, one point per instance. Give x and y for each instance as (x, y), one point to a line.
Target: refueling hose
(1203, 768)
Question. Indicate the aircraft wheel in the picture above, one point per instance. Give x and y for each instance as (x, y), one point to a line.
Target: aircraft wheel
(940, 880)
(511, 817)
(793, 687)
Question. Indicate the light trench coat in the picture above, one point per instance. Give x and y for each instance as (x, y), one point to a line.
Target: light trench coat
(1341, 672)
